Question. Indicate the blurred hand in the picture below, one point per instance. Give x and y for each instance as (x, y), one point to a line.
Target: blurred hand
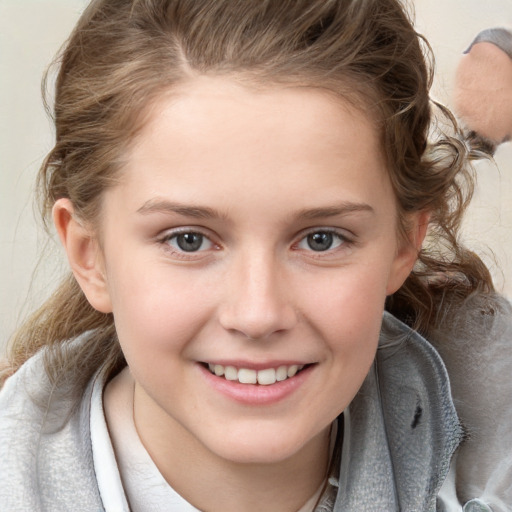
(483, 92)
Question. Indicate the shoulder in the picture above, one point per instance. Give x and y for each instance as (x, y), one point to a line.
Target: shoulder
(474, 339)
(467, 364)
(45, 442)
(401, 429)
(31, 395)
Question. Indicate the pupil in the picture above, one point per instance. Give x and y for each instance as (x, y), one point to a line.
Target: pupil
(320, 241)
(189, 242)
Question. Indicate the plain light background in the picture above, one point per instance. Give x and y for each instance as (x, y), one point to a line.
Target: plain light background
(31, 31)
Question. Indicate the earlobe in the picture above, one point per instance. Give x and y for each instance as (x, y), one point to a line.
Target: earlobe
(408, 252)
(83, 254)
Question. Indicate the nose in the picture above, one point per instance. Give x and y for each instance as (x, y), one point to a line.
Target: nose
(256, 301)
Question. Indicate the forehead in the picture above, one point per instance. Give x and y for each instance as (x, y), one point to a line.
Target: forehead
(216, 137)
(291, 109)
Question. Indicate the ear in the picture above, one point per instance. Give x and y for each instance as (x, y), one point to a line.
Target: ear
(84, 255)
(407, 253)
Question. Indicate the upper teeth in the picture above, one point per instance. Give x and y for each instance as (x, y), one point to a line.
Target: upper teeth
(264, 377)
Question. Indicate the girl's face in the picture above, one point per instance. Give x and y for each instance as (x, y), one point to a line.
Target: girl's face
(253, 238)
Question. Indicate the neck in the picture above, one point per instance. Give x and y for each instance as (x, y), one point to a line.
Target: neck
(213, 483)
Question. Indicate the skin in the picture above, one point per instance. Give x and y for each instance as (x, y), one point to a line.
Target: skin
(266, 167)
(483, 92)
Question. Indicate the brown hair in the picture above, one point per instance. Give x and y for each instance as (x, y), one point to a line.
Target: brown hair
(123, 54)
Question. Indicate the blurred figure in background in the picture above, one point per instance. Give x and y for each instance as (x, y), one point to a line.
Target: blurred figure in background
(483, 88)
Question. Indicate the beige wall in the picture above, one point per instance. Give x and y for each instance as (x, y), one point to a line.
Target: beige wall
(30, 33)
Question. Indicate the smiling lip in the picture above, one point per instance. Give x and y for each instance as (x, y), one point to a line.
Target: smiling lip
(256, 394)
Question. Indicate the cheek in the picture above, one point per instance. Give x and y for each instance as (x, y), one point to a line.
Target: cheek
(156, 310)
(351, 336)
(350, 297)
(347, 310)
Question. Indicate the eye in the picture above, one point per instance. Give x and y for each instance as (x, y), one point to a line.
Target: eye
(320, 241)
(189, 241)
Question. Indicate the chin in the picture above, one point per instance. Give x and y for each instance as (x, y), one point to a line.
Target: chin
(260, 447)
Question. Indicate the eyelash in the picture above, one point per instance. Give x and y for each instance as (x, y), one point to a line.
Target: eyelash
(343, 242)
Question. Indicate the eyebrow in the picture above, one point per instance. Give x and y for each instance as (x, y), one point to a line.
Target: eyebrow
(344, 208)
(164, 206)
(203, 212)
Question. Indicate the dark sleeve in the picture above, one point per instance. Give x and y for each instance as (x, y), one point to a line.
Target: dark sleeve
(500, 37)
